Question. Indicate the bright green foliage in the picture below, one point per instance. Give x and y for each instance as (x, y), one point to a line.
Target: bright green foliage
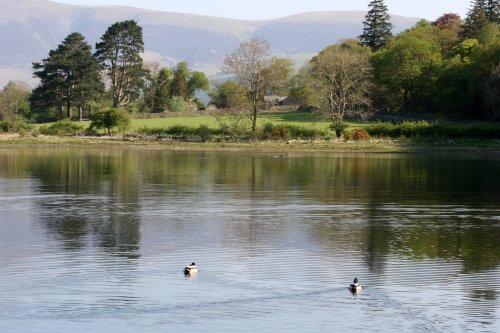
(197, 81)
(176, 104)
(341, 78)
(68, 77)
(187, 82)
(109, 119)
(14, 100)
(489, 34)
(406, 71)
(377, 26)
(63, 127)
(119, 54)
(229, 95)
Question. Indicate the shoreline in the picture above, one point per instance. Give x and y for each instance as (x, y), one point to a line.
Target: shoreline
(490, 148)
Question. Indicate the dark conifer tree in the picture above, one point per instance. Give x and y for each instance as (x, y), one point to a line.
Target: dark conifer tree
(119, 53)
(377, 26)
(493, 10)
(480, 14)
(69, 77)
(180, 82)
(162, 92)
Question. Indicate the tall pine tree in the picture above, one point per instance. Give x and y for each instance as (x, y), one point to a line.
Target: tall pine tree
(481, 13)
(493, 10)
(69, 77)
(377, 26)
(119, 52)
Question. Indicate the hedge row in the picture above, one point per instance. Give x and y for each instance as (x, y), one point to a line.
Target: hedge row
(268, 132)
(434, 129)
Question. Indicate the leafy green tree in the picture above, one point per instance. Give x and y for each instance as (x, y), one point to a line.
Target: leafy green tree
(176, 104)
(186, 82)
(255, 69)
(341, 78)
(466, 85)
(197, 81)
(229, 95)
(448, 30)
(109, 119)
(406, 71)
(300, 88)
(163, 84)
(377, 26)
(69, 76)
(489, 35)
(14, 100)
(119, 54)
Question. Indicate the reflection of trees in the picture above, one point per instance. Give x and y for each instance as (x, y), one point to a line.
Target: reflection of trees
(97, 196)
(103, 188)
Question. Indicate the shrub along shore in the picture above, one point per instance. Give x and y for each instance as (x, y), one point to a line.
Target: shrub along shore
(420, 136)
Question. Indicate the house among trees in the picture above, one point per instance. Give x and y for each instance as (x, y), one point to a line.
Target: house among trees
(274, 100)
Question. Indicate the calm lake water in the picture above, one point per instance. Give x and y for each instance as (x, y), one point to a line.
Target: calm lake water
(95, 240)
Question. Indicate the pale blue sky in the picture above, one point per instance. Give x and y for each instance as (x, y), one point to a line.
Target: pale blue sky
(266, 9)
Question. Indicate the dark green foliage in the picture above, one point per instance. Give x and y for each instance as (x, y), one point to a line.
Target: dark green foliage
(479, 15)
(163, 83)
(15, 125)
(119, 54)
(181, 132)
(109, 119)
(180, 82)
(69, 77)
(339, 127)
(377, 26)
(204, 133)
(285, 132)
(435, 129)
(63, 127)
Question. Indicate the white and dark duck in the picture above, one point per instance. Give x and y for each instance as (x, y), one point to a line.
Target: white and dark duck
(355, 286)
(190, 269)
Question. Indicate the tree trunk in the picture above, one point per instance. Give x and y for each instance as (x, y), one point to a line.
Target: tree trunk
(80, 113)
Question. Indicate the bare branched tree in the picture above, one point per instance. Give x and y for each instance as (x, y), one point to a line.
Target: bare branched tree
(341, 78)
(255, 69)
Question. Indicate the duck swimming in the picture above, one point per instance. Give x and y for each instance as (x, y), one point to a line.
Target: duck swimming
(190, 269)
(355, 286)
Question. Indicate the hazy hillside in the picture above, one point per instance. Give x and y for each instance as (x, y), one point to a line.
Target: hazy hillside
(30, 28)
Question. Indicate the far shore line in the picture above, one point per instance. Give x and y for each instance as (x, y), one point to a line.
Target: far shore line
(482, 148)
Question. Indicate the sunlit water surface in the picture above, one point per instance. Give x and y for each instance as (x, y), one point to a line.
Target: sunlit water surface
(96, 240)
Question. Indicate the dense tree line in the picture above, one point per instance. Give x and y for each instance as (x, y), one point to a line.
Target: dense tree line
(72, 78)
(449, 66)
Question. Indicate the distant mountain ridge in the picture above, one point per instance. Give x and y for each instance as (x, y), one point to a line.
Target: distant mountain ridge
(30, 28)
